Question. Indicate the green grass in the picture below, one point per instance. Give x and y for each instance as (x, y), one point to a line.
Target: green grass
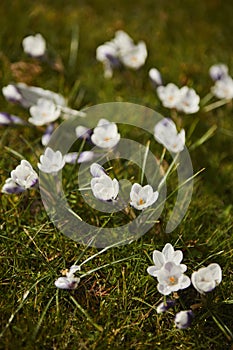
(114, 307)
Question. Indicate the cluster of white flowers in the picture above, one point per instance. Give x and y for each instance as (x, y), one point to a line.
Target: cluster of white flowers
(183, 99)
(45, 107)
(121, 50)
(169, 272)
(24, 177)
(106, 189)
(223, 87)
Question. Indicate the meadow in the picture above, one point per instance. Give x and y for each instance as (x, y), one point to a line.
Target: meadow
(114, 304)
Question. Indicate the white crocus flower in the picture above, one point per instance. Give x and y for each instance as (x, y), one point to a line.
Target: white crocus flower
(107, 54)
(123, 42)
(142, 197)
(105, 51)
(183, 319)
(51, 161)
(105, 135)
(155, 76)
(189, 100)
(34, 45)
(171, 278)
(82, 132)
(207, 278)
(121, 50)
(169, 95)
(131, 55)
(69, 281)
(10, 187)
(44, 112)
(223, 88)
(218, 71)
(104, 188)
(11, 93)
(165, 133)
(168, 254)
(97, 170)
(24, 175)
(135, 58)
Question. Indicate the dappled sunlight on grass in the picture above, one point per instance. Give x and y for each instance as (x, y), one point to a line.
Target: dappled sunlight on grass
(114, 303)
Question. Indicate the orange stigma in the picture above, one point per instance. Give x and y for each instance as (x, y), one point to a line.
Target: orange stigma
(172, 280)
(141, 201)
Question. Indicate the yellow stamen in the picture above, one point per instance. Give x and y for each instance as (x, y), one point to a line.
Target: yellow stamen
(107, 139)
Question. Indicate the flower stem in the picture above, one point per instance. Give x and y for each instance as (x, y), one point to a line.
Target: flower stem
(168, 171)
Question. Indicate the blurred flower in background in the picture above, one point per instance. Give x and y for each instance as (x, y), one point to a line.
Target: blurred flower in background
(121, 50)
(34, 45)
(44, 112)
(165, 132)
